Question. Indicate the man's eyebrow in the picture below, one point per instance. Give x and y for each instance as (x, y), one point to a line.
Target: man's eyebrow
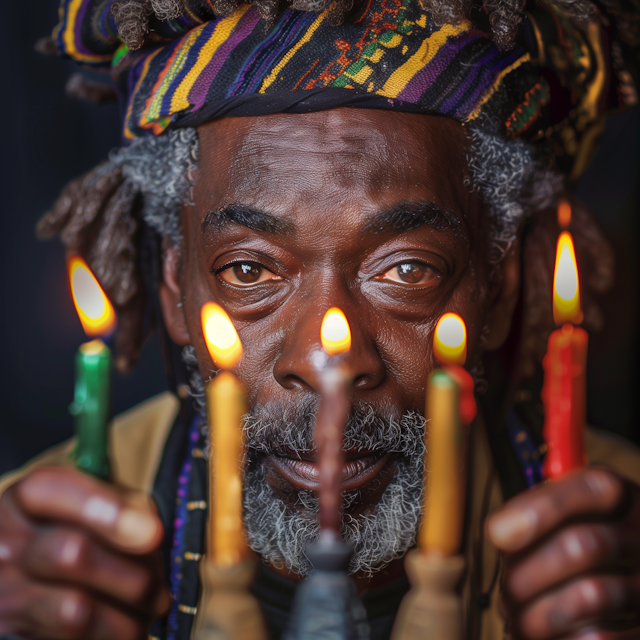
(406, 216)
(254, 219)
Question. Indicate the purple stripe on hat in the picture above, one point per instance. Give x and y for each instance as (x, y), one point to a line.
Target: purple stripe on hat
(437, 66)
(481, 76)
(200, 89)
(301, 22)
(77, 28)
(487, 70)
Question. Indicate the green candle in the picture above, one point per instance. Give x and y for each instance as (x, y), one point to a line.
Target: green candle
(91, 408)
(91, 402)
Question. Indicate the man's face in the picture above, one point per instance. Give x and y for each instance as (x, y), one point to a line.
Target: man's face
(359, 209)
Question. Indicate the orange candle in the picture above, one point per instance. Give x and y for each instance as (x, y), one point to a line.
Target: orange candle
(565, 363)
(226, 405)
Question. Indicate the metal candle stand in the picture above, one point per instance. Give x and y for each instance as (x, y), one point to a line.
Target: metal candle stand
(326, 605)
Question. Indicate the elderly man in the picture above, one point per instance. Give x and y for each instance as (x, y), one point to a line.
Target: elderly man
(281, 165)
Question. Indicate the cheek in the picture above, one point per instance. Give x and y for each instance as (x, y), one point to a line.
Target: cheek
(263, 344)
(470, 302)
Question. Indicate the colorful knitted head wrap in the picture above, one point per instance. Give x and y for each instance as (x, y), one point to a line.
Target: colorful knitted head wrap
(555, 85)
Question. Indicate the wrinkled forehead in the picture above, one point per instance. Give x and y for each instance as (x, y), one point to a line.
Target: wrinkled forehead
(376, 153)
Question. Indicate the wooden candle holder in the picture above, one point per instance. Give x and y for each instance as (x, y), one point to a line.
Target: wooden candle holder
(227, 610)
(432, 609)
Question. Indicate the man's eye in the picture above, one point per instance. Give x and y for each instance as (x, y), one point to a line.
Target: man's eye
(411, 273)
(246, 274)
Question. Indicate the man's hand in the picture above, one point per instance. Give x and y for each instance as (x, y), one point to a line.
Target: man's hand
(572, 558)
(78, 559)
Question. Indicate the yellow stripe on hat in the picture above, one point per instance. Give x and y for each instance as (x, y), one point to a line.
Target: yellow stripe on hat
(128, 134)
(292, 52)
(69, 36)
(428, 49)
(173, 68)
(219, 36)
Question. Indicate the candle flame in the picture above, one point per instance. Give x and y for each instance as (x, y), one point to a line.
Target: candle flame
(220, 335)
(92, 305)
(335, 332)
(566, 283)
(564, 214)
(450, 339)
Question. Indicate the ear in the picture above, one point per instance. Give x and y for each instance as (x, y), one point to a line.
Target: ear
(504, 303)
(171, 300)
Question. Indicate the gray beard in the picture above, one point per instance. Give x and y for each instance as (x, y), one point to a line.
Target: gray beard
(279, 530)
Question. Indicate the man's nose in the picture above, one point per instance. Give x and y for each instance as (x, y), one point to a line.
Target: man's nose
(301, 358)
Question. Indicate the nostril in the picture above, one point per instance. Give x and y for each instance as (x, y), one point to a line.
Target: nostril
(367, 381)
(294, 383)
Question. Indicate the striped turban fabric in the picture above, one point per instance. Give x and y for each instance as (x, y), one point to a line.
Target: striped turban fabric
(553, 87)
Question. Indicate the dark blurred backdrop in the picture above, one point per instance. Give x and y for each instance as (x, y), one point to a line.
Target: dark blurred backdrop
(47, 139)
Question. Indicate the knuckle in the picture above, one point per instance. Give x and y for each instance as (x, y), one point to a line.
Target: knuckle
(600, 594)
(604, 485)
(74, 613)
(586, 544)
(59, 614)
(70, 550)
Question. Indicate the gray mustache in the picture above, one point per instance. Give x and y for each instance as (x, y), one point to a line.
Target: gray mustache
(272, 428)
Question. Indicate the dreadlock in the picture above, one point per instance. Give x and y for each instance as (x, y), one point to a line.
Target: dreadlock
(504, 16)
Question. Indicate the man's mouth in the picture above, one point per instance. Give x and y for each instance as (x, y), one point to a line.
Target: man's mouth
(358, 470)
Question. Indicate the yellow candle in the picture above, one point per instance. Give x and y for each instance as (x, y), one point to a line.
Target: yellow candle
(226, 404)
(441, 529)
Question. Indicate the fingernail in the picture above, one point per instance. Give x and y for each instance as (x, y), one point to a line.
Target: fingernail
(512, 529)
(100, 510)
(136, 528)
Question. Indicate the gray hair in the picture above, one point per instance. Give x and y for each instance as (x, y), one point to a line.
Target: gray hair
(510, 177)
(163, 169)
(280, 530)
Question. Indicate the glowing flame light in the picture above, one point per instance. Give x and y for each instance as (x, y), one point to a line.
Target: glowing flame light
(335, 332)
(564, 214)
(450, 339)
(220, 335)
(94, 308)
(566, 283)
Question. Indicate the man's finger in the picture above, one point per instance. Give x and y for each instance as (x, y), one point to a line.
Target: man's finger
(65, 555)
(576, 549)
(599, 634)
(587, 601)
(60, 613)
(55, 613)
(534, 514)
(127, 521)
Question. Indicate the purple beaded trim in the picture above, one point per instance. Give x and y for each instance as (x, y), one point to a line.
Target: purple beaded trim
(177, 549)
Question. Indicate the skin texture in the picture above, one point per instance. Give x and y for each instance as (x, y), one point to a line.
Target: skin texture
(571, 557)
(326, 178)
(78, 559)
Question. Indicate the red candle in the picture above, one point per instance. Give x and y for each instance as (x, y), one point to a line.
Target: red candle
(564, 388)
(563, 395)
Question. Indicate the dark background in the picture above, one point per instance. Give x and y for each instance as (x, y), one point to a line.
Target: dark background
(47, 139)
